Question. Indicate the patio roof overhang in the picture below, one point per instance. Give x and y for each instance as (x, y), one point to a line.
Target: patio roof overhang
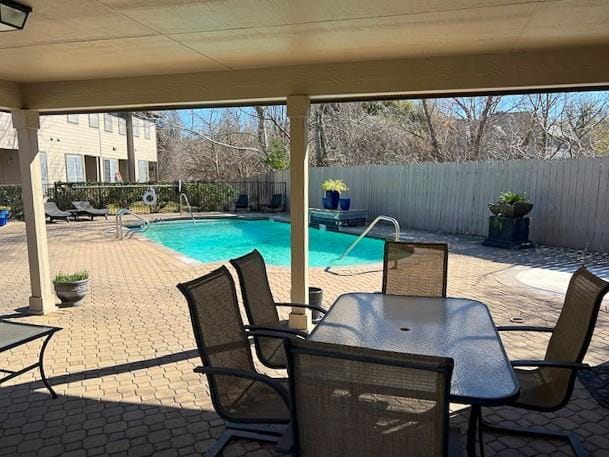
(93, 55)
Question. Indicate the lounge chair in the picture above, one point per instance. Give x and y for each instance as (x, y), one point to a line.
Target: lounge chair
(242, 202)
(417, 269)
(276, 204)
(548, 387)
(360, 402)
(53, 212)
(85, 209)
(255, 406)
(261, 309)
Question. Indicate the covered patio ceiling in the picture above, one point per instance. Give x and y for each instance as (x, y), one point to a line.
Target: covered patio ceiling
(108, 54)
(93, 55)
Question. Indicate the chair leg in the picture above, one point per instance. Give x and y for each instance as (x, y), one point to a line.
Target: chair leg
(571, 437)
(267, 433)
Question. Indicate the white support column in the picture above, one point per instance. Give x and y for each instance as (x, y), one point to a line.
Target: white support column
(27, 124)
(298, 112)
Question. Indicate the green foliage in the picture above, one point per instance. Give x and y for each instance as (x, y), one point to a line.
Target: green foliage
(10, 198)
(509, 198)
(210, 196)
(277, 156)
(337, 185)
(62, 278)
(376, 108)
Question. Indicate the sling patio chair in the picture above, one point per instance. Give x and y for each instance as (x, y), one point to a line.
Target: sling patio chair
(548, 387)
(415, 269)
(261, 308)
(276, 204)
(53, 212)
(242, 202)
(254, 406)
(84, 208)
(360, 402)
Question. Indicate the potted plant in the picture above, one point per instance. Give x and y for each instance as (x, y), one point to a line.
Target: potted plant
(333, 188)
(508, 226)
(510, 204)
(4, 215)
(72, 288)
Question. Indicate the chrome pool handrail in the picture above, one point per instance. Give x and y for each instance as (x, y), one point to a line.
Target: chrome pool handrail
(119, 221)
(185, 197)
(396, 226)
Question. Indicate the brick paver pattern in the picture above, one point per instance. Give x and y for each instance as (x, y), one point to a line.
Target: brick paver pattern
(123, 364)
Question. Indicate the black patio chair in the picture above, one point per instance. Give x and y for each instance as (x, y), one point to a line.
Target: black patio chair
(261, 308)
(84, 208)
(359, 402)
(53, 212)
(417, 269)
(242, 202)
(548, 387)
(254, 406)
(276, 204)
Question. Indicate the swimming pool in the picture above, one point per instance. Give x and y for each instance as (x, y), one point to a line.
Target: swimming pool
(216, 240)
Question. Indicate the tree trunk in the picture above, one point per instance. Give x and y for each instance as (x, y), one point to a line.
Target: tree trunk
(436, 153)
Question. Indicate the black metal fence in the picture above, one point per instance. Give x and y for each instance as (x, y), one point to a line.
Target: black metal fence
(202, 195)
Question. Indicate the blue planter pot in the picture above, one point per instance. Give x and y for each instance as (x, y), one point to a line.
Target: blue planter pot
(345, 204)
(333, 198)
(326, 204)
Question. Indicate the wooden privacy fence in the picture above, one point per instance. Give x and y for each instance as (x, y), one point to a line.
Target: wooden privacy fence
(571, 196)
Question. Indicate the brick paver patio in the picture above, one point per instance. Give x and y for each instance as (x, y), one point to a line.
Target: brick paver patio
(122, 366)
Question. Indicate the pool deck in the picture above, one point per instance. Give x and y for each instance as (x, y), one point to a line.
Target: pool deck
(122, 365)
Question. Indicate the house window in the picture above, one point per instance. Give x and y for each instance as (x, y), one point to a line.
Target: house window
(44, 171)
(146, 129)
(94, 120)
(108, 122)
(75, 168)
(110, 170)
(136, 126)
(142, 171)
(122, 125)
(73, 118)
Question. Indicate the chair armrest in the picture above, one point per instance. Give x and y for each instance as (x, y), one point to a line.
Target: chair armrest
(256, 330)
(524, 328)
(550, 364)
(273, 383)
(300, 305)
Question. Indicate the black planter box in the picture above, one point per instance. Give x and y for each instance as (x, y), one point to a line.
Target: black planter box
(508, 232)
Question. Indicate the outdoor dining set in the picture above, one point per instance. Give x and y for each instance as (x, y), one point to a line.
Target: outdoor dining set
(377, 375)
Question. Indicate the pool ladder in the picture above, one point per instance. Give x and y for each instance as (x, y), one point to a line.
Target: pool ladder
(185, 198)
(396, 226)
(144, 223)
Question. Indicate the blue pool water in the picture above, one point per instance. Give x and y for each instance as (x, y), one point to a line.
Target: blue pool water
(216, 240)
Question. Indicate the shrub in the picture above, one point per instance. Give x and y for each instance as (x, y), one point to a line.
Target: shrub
(336, 185)
(510, 198)
(62, 278)
(11, 197)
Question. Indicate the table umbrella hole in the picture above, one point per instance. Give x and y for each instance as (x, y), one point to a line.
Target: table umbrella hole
(405, 329)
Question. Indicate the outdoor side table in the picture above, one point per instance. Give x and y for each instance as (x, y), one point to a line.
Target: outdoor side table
(13, 334)
(458, 328)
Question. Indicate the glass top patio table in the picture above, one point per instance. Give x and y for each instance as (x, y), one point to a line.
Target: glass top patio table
(459, 328)
(13, 334)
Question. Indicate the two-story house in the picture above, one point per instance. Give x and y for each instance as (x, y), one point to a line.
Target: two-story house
(83, 147)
